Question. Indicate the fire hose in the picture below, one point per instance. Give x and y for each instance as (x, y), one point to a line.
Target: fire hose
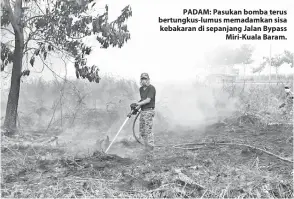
(134, 132)
(134, 111)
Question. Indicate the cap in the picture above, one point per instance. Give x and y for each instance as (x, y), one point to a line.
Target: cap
(144, 75)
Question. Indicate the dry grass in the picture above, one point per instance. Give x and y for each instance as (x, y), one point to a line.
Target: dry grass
(209, 172)
(34, 170)
(212, 171)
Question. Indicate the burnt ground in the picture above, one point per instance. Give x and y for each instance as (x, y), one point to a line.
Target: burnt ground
(202, 170)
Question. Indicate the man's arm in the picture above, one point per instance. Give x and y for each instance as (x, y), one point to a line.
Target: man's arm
(146, 101)
(141, 102)
(150, 94)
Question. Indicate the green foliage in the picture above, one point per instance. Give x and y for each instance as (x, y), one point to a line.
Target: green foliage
(4, 18)
(61, 28)
(6, 56)
(113, 33)
(288, 57)
(279, 59)
(25, 73)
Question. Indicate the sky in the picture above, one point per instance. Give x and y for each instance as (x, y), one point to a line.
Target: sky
(175, 56)
(171, 56)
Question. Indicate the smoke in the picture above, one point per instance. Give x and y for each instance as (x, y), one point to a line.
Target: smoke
(191, 105)
(180, 107)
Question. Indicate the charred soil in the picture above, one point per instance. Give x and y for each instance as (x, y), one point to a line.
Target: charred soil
(201, 167)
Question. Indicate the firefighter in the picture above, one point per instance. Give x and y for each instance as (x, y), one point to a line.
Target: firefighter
(147, 105)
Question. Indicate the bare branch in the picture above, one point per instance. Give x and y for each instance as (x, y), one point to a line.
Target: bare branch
(39, 7)
(77, 37)
(31, 34)
(43, 66)
(44, 40)
(10, 31)
(66, 80)
(7, 43)
(34, 17)
(29, 49)
(9, 73)
(231, 143)
(10, 15)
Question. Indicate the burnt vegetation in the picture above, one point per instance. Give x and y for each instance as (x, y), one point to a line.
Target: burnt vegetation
(50, 146)
(42, 29)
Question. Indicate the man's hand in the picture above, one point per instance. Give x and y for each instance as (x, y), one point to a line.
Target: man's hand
(138, 106)
(141, 103)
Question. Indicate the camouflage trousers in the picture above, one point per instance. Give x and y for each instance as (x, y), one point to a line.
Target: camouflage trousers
(145, 127)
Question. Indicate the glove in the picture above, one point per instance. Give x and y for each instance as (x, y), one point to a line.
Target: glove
(133, 106)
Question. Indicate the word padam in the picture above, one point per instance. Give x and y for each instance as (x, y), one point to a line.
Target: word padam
(233, 12)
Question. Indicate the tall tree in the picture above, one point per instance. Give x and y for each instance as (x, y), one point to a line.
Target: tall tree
(277, 61)
(43, 28)
(223, 55)
(288, 57)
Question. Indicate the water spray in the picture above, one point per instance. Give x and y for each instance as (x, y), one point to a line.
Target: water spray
(134, 111)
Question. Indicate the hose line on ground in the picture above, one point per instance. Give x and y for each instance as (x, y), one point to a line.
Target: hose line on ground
(138, 140)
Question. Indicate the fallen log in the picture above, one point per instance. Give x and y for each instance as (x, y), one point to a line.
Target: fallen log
(181, 146)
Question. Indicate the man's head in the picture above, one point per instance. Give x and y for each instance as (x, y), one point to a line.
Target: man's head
(287, 89)
(144, 79)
